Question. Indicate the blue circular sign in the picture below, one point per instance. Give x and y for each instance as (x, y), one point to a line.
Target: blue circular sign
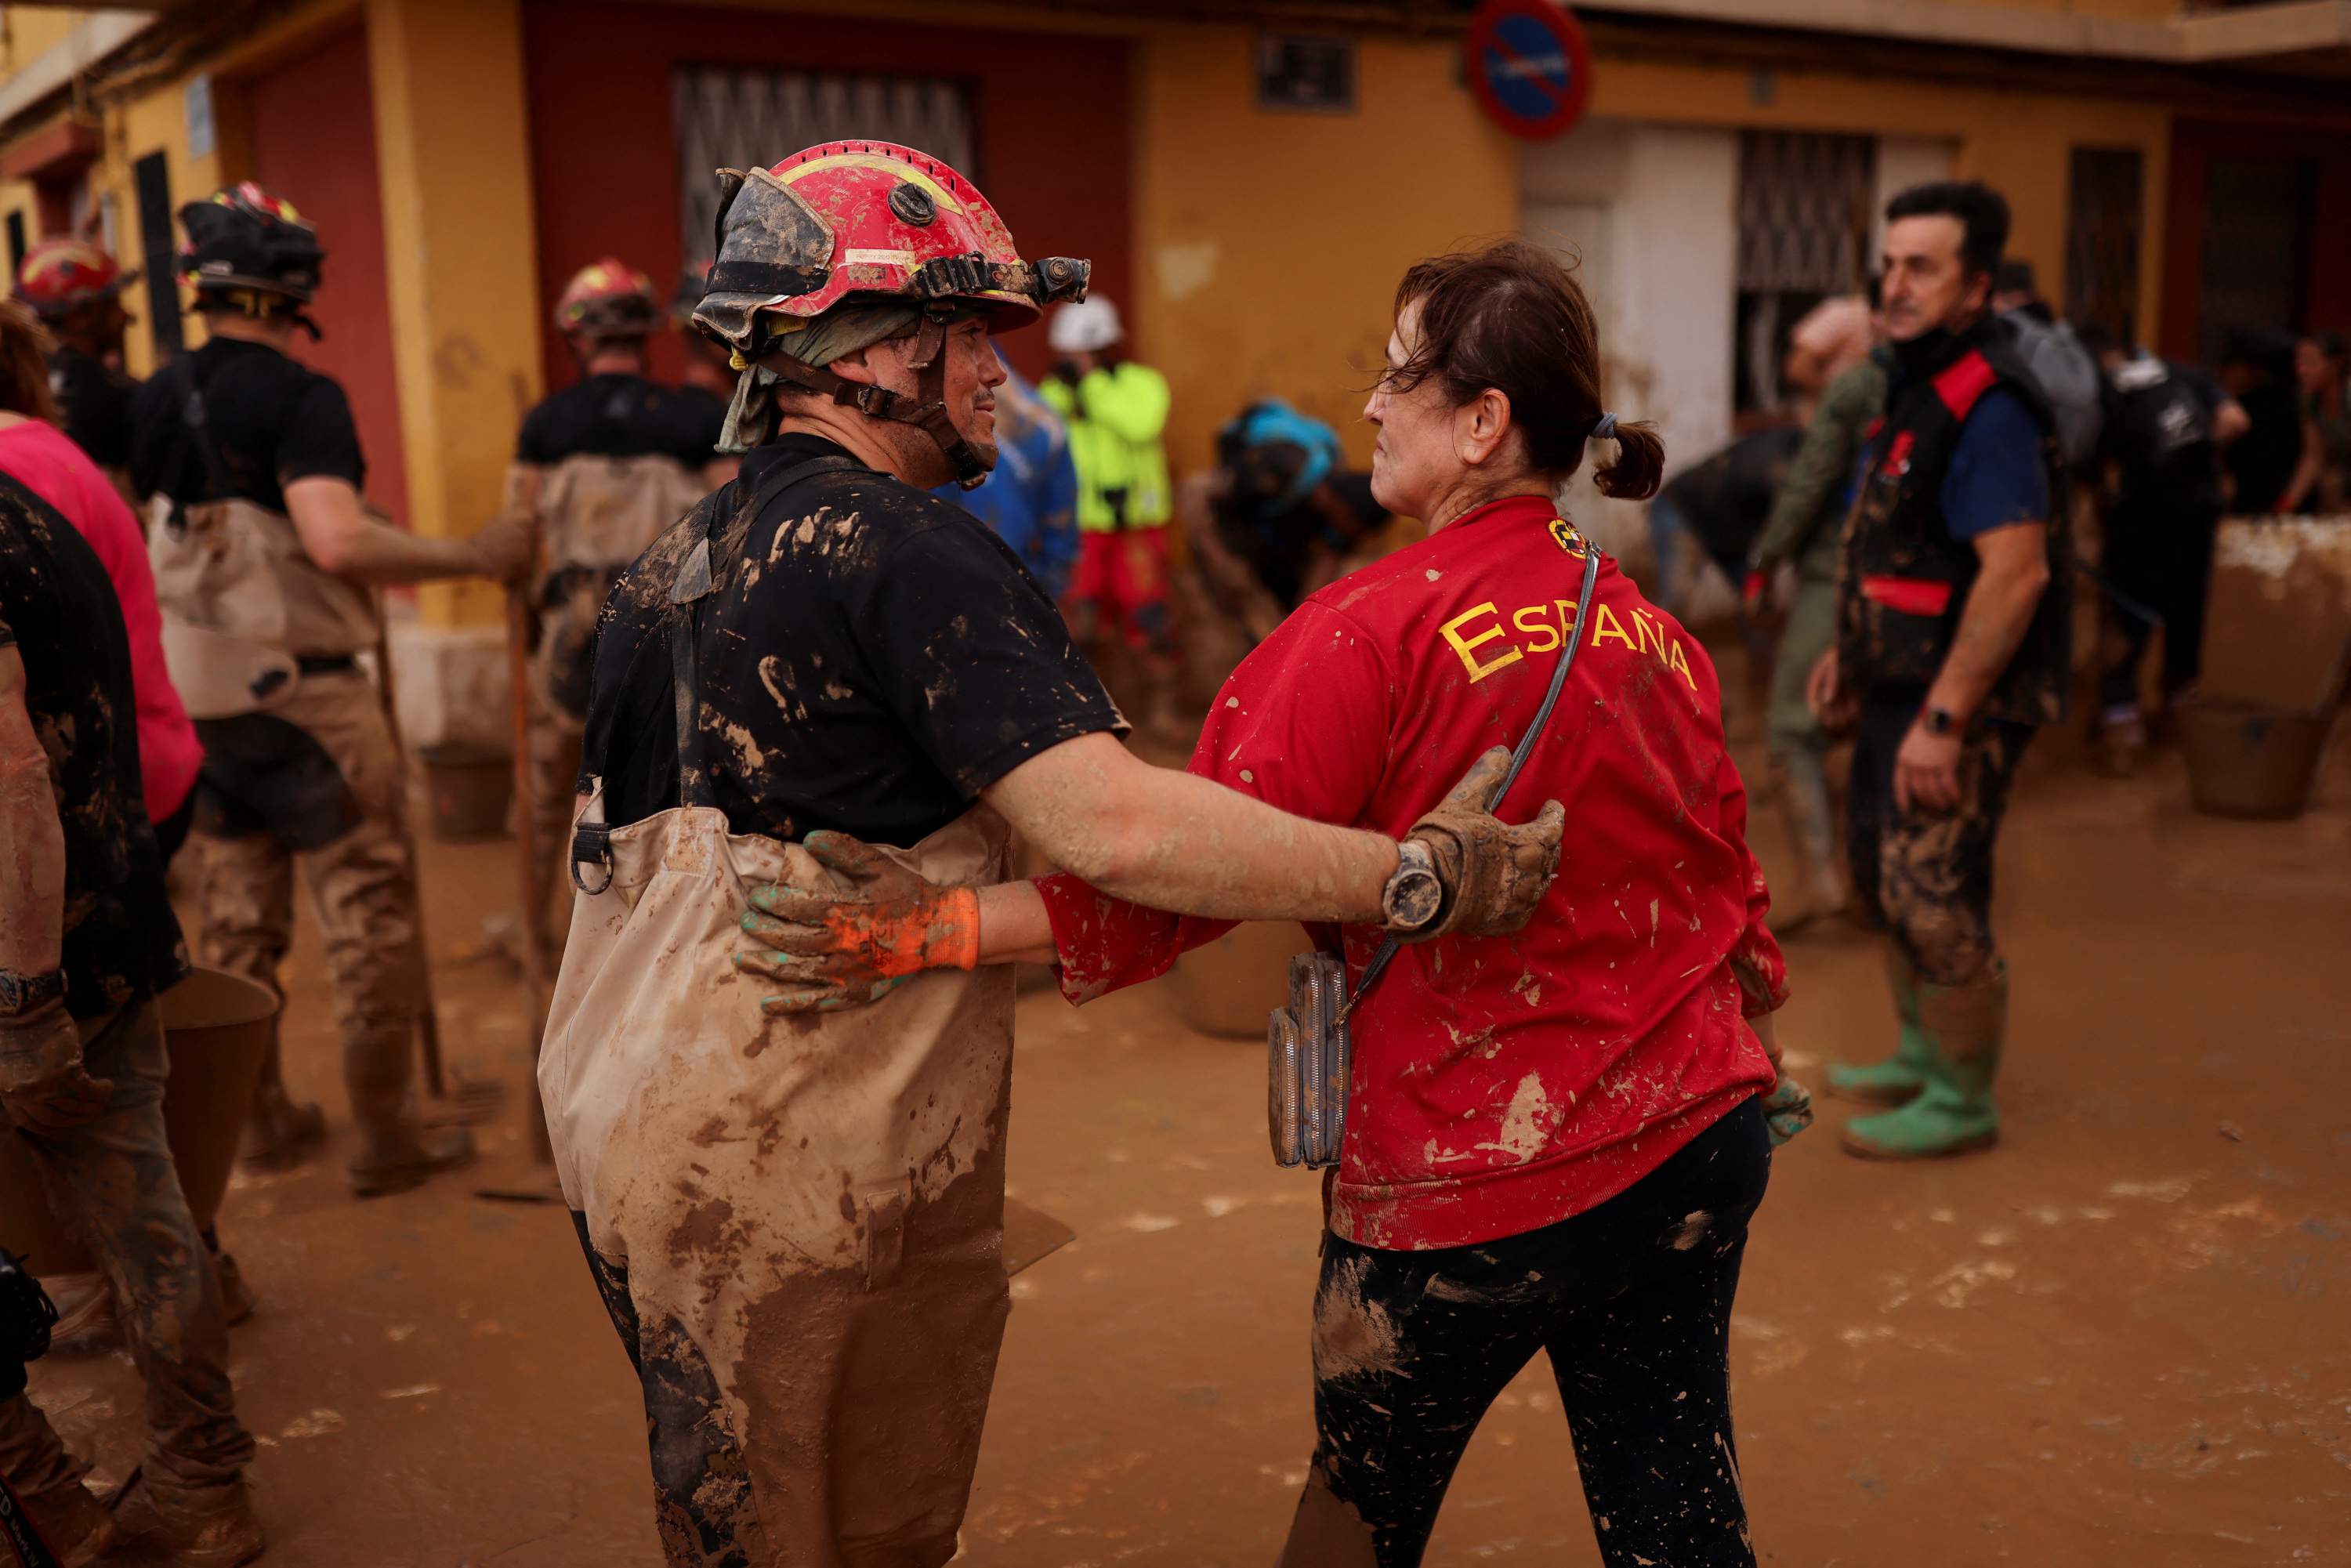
(1529, 66)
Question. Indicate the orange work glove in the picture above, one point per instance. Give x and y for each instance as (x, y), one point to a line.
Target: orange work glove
(842, 950)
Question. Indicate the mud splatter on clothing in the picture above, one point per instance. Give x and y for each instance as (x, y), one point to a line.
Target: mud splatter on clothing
(1631, 1303)
(57, 608)
(1925, 876)
(871, 659)
(1500, 1084)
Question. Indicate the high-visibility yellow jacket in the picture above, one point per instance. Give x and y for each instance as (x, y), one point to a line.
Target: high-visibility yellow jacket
(1117, 418)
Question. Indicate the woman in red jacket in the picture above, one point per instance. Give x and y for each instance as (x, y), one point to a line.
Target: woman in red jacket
(1555, 1137)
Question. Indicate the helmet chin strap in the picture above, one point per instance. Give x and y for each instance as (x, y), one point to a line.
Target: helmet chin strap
(927, 408)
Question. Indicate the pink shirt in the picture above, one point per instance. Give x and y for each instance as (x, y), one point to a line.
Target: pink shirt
(42, 457)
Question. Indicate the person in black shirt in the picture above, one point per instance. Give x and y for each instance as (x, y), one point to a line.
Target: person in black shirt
(87, 942)
(76, 289)
(264, 555)
(2257, 371)
(602, 467)
(795, 1223)
(2161, 442)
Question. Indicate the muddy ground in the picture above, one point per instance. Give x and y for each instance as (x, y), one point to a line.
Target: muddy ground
(2120, 1338)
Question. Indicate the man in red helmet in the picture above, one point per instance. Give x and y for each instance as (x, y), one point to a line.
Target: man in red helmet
(76, 289)
(264, 555)
(602, 466)
(795, 1222)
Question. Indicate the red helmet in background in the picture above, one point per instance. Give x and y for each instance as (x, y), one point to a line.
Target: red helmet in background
(61, 275)
(861, 225)
(606, 299)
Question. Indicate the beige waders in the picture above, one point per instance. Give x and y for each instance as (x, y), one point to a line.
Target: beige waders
(797, 1223)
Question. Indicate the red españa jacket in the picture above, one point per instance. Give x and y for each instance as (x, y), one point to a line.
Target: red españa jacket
(1500, 1084)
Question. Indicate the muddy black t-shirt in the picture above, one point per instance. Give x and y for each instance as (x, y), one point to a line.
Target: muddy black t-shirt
(869, 658)
(58, 609)
(273, 422)
(622, 416)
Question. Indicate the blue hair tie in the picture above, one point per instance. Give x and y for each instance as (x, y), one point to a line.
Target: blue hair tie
(1604, 428)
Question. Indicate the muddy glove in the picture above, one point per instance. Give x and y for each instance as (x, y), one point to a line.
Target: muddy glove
(844, 950)
(1492, 874)
(43, 1086)
(1789, 1109)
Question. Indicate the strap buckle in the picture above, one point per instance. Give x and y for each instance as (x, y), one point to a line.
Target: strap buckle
(591, 844)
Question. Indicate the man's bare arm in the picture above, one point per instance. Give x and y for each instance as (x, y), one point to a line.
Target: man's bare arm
(1174, 840)
(1998, 612)
(32, 840)
(339, 537)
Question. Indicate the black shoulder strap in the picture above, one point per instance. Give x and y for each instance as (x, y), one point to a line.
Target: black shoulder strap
(687, 588)
(1378, 966)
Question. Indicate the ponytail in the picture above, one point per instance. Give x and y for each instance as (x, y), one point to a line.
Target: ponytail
(1640, 463)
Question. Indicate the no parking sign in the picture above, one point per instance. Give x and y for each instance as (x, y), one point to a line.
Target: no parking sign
(1529, 66)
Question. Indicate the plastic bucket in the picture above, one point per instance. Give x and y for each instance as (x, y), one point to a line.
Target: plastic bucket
(1228, 985)
(471, 787)
(217, 1027)
(2245, 760)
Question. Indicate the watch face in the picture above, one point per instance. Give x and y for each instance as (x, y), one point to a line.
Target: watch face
(1412, 899)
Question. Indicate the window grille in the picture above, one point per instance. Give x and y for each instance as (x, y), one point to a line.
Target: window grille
(735, 119)
(2258, 217)
(1804, 204)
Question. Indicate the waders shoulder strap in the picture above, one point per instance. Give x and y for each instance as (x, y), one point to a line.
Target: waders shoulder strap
(692, 584)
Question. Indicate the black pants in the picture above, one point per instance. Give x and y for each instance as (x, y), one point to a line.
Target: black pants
(1631, 1299)
(2162, 561)
(1926, 875)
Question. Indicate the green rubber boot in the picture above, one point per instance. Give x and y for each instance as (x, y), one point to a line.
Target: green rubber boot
(1896, 1080)
(1963, 1027)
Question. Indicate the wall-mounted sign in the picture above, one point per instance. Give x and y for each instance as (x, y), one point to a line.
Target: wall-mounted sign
(1530, 66)
(1298, 74)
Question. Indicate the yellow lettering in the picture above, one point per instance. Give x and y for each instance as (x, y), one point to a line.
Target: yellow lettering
(1606, 625)
(1652, 637)
(1681, 665)
(1462, 645)
(1540, 624)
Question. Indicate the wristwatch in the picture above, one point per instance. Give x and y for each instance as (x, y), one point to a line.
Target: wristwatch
(1414, 894)
(20, 994)
(1939, 721)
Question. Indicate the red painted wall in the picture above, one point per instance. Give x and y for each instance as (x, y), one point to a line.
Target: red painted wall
(1050, 115)
(311, 121)
(2194, 144)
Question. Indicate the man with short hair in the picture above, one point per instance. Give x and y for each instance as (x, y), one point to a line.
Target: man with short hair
(1952, 643)
(88, 943)
(76, 289)
(265, 554)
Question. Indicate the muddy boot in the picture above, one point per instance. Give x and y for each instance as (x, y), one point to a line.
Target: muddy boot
(1896, 1080)
(280, 1134)
(237, 1299)
(48, 1481)
(74, 1522)
(85, 1304)
(1954, 1114)
(188, 1527)
(2121, 749)
(1805, 800)
(396, 1153)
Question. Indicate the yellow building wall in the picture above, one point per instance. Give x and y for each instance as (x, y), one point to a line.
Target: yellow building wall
(1268, 246)
(2021, 143)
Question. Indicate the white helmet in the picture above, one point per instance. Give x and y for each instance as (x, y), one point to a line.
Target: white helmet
(1087, 327)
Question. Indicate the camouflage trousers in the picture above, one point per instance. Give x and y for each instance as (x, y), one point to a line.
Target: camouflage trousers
(1799, 742)
(318, 781)
(114, 1187)
(1927, 875)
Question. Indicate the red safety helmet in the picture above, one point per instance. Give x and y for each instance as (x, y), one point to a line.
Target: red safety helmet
(61, 275)
(243, 240)
(870, 223)
(607, 299)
